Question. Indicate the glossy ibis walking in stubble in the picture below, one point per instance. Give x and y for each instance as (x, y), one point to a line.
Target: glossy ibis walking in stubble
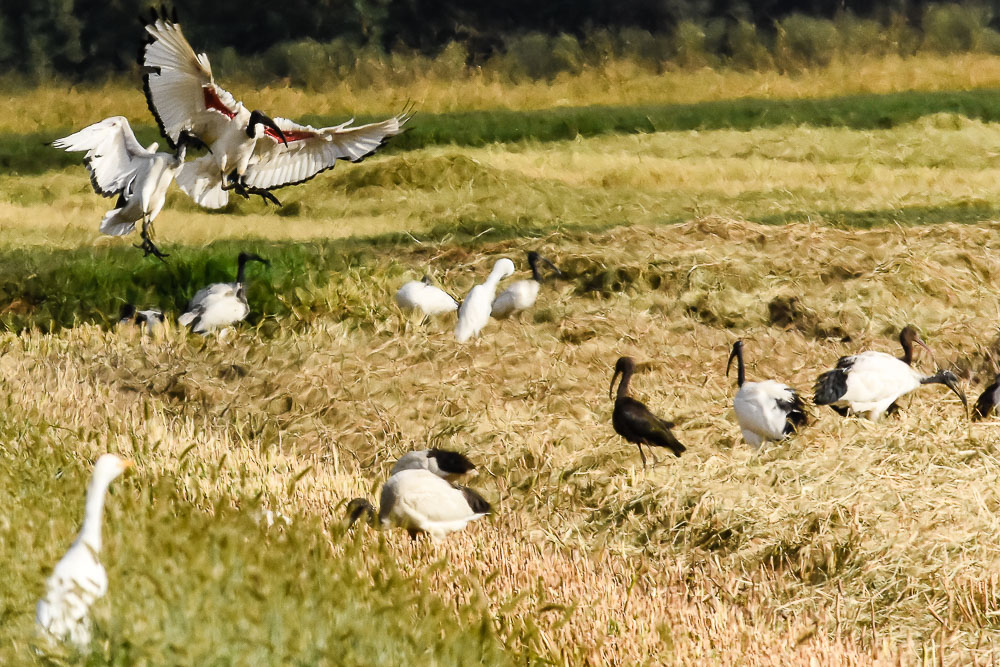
(871, 382)
(765, 410)
(987, 401)
(633, 421)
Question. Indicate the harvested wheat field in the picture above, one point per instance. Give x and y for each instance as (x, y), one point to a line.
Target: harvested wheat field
(853, 542)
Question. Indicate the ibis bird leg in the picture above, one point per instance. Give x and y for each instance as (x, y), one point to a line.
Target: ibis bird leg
(147, 246)
(643, 455)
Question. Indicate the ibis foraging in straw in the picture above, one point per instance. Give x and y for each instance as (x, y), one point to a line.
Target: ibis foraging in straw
(633, 421)
(421, 295)
(422, 502)
(220, 304)
(444, 463)
(522, 294)
(251, 153)
(765, 410)
(139, 177)
(474, 313)
(987, 401)
(148, 321)
(871, 382)
(79, 579)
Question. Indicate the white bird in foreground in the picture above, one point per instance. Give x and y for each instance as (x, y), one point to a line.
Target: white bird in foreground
(522, 294)
(421, 502)
(119, 165)
(79, 579)
(765, 410)
(870, 382)
(251, 153)
(423, 296)
(446, 464)
(150, 321)
(220, 304)
(474, 313)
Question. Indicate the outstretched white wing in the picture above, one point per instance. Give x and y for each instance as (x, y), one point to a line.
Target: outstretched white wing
(113, 153)
(311, 150)
(180, 90)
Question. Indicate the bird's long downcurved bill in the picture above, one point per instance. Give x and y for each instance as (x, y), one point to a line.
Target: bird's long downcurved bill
(950, 381)
(729, 364)
(192, 139)
(614, 378)
(553, 266)
(922, 344)
(262, 118)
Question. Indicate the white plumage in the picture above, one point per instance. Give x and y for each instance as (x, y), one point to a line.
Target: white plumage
(765, 410)
(220, 304)
(250, 152)
(474, 313)
(522, 294)
(149, 321)
(120, 166)
(421, 502)
(421, 296)
(79, 579)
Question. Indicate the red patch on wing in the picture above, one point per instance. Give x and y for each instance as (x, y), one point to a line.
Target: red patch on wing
(213, 102)
(290, 135)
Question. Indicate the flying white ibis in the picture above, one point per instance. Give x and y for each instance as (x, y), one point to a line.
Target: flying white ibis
(79, 579)
(474, 313)
(251, 153)
(220, 304)
(421, 295)
(444, 463)
(149, 320)
(987, 401)
(120, 166)
(869, 383)
(522, 294)
(422, 502)
(633, 421)
(765, 410)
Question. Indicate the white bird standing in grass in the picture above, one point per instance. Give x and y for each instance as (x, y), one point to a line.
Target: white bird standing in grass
(869, 383)
(765, 410)
(149, 321)
(421, 295)
(522, 294)
(119, 165)
(474, 313)
(220, 304)
(446, 464)
(79, 579)
(251, 153)
(421, 502)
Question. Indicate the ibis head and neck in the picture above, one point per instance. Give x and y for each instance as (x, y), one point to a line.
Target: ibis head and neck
(737, 353)
(242, 260)
(260, 119)
(907, 337)
(626, 368)
(948, 379)
(534, 259)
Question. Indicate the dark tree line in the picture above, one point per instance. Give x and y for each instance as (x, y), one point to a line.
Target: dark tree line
(92, 38)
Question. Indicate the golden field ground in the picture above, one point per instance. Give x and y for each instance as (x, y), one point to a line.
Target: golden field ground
(852, 543)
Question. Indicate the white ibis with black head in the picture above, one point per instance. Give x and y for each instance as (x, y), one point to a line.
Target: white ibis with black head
(120, 166)
(149, 320)
(987, 401)
(474, 313)
(869, 383)
(522, 294)
(220, 304)
(422, 502)
(765, 410)
(633, 421)
(79, 579)
(422, 296)
(251, 152)
(444, 463)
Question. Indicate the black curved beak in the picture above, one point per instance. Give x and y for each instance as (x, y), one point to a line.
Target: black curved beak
(553, 267)
(192, 140)
(729, 364)
(950, 381)
(262, 118)
(614, 378)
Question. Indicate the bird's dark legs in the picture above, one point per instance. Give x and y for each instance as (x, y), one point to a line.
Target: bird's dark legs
(643, 455)
(147, 246)
(237, 184)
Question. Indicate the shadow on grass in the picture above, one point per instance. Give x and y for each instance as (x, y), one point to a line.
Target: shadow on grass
(909, 216)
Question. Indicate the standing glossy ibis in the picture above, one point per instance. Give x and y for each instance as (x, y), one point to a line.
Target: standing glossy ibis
(633, 421)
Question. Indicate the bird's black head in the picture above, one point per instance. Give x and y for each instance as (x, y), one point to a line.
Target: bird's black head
(452, 462)
(426, 280)
(189, 139)
(260, 118)
(245, 257)
(534, 259)
(127, 312)
(624, 367)
(358, 508)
